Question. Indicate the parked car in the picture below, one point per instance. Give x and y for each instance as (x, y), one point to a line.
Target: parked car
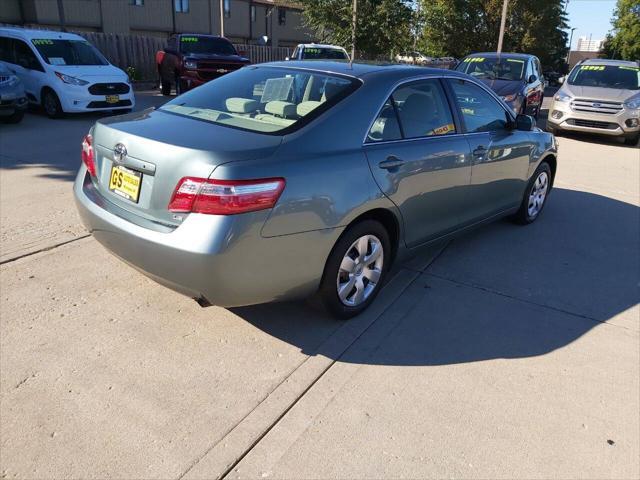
(318, 51)
(64, 73)
(599, 96)
(516, 77)
(414, 58)
(13, 100)
(191, 60)
(280, 180)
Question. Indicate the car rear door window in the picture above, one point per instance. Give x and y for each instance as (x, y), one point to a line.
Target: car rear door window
(423, 109)
(478, 109)
(416, 110)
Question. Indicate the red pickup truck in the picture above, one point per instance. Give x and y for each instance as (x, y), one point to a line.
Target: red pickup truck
(189, 60)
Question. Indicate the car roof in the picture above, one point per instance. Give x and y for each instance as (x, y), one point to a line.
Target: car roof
(29, 34)
(503, 54)
(607, 61)
(362, 69)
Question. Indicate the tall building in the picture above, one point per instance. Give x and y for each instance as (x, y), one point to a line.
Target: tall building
(245, 21)
(587, 45)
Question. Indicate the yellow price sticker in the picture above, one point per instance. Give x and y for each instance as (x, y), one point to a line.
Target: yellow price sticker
(593, 68)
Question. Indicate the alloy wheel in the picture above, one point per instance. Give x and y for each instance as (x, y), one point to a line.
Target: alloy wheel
(360, 270)
(538, 194)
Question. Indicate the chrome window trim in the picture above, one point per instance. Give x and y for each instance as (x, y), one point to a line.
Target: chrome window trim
(432, 76)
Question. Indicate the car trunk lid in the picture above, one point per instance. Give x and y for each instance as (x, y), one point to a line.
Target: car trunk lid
(156, 149)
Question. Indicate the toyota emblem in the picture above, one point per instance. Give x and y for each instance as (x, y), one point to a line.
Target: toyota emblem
(119, 153)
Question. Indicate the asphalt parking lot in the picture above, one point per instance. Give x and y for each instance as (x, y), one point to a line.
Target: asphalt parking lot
(511, 352)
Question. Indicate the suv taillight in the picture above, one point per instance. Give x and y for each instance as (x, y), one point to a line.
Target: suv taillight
(88, 155)
(225, 197)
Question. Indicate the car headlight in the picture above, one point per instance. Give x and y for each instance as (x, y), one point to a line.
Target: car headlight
(633, 102)
(9, 80)
(192, 64)
(562, 97)
(71, 80)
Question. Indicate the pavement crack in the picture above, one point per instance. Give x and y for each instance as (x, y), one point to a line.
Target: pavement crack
(45, 249)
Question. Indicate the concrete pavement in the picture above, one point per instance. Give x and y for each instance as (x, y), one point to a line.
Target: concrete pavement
(511, 353)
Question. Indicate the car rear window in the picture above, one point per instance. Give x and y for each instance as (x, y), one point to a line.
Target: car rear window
(606, 76)
(503, 68)
(68, 52)
(320, 53)
(268, 100)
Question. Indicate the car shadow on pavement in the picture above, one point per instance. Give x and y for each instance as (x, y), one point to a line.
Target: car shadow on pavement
(502, 291)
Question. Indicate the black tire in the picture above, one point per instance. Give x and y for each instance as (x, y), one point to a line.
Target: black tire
(329, 286)
(165, 87)
(51, 104)
(522, 216)
(632, 140)
(15, 117)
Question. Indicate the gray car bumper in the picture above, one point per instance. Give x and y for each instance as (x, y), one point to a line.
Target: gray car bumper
(221, 259)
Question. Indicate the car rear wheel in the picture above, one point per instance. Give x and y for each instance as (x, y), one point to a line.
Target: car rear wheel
(356, 269)
(51, 104)
(535, 195)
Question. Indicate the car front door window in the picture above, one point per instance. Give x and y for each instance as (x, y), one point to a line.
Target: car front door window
(25, 57)
(479, 110)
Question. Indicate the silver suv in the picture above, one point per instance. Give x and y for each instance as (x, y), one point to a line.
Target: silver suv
(599, 96)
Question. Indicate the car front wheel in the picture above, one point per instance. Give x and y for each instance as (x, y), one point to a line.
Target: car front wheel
(51, 104)
(356, 269)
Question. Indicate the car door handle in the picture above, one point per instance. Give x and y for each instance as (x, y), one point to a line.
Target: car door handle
(390, 163)
(480, 152)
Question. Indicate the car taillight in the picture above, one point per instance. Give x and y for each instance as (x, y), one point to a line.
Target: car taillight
(88, 155)
(225, 197)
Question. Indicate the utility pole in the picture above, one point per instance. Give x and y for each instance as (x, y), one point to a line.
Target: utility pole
(502, 24)
(63, 25)
(570, 39)
(222, 18)
(353, 29)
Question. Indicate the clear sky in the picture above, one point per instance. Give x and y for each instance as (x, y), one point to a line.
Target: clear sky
(590, 17)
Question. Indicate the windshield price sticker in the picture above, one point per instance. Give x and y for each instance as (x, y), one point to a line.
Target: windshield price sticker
(189, 39)
(514, 60)
(633, 69)
(41, 41)
(443, 130)
(474, 59)
(596, 68)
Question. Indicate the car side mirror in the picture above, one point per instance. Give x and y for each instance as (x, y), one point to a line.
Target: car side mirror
(561, 80)
(525, 123)
(532, 78)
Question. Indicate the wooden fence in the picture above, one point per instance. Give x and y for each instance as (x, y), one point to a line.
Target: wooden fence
(139, 52)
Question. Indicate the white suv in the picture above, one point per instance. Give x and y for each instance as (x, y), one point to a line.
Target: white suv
(63, 72)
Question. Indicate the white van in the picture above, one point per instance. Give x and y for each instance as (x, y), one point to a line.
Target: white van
(63, 72)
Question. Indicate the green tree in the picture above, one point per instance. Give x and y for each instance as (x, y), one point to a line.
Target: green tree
(383, 27)
(623, 42)
(460, 27)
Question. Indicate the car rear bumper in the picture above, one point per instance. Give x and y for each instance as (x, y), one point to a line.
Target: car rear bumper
(221, 259)
(562, 117)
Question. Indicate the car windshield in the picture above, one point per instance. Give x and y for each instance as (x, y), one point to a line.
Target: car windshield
(606, 76)
(199, 44)
(317, 53)
(263, 99)
(493, 68)
(68, 52)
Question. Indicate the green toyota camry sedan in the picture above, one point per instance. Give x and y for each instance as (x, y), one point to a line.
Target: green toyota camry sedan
(285, 180)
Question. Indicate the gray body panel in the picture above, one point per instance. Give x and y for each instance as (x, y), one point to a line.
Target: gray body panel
(280, 253)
